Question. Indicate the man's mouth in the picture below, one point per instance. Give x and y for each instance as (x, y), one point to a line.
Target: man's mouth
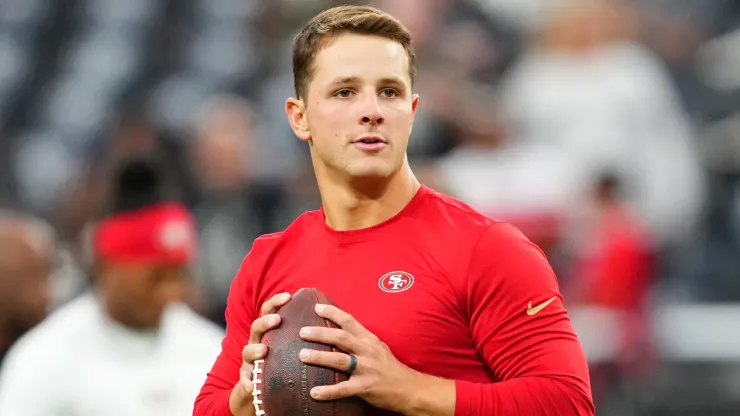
(370, 140)
(370, 143)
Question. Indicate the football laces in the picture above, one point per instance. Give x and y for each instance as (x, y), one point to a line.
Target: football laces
(257, 387)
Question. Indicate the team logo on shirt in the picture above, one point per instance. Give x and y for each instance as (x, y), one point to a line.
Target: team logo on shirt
(394, 282)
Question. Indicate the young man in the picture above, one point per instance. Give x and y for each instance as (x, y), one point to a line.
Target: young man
(443, 311)
(129, 347)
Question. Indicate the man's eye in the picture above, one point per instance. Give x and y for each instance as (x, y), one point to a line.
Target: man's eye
(389, 93)
(343, 93)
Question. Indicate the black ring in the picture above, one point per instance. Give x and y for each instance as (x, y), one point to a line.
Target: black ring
(352, 364)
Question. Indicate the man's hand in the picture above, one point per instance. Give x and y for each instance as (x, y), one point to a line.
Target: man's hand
(379, 378)
(240, 400)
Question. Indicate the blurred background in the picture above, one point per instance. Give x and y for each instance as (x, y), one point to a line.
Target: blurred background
(607, 130)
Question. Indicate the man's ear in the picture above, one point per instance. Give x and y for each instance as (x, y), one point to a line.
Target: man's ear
(414, 107)
(295, 109)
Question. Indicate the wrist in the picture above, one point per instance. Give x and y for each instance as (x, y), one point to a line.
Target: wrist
(240, 402)
(429, 396)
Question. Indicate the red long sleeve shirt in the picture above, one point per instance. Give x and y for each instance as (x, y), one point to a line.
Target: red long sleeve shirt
(447, 289)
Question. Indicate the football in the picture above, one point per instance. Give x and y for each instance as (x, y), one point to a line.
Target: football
(282, 382)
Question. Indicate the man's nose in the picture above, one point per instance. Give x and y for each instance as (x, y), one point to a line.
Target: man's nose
(371, 113)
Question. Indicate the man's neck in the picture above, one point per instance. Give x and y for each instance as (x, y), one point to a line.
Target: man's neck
(367, 203)
(117, 320)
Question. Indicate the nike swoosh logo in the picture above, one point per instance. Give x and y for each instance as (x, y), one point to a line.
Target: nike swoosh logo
(534, 310)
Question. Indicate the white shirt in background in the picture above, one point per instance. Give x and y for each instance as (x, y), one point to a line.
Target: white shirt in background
(614, 110)
(78, 362)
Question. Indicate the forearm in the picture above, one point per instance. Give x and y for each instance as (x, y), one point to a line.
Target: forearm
(527, 396)
(430, 396)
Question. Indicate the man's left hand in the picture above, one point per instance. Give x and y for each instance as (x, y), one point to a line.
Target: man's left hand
(379, 378)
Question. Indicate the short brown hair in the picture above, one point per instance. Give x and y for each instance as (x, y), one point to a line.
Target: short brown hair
(361, 20)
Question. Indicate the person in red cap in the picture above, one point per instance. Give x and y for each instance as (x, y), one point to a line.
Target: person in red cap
(129, 346)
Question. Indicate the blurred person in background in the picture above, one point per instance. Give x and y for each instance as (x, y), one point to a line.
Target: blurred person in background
(611, 273)
(237, 198)
(26, 262)
(461, 54)
(529, 185)
(587, 87)
(130, 346)
(130, 133)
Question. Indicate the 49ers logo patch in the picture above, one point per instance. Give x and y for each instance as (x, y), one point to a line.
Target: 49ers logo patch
(395, 282)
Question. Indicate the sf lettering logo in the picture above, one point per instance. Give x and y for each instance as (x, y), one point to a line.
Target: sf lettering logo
(395, 282)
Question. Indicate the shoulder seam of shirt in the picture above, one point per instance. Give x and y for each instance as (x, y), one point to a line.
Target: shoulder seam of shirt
(441, 198)
(270, 236)
(278, 234)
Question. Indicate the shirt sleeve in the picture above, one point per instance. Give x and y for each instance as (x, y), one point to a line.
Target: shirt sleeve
(520, 326)
(29, 382)
(213, 399)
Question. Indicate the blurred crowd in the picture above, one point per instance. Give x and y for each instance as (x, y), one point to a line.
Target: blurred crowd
(607, 130)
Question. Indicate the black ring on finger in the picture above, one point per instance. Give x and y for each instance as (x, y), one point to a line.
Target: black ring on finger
(352, 364)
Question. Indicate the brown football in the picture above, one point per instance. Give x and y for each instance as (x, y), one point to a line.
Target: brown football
(282, 382)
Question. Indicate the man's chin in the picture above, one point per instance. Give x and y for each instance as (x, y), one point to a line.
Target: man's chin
(370, 171)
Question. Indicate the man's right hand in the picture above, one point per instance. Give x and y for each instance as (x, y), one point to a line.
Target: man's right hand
(240, 400)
